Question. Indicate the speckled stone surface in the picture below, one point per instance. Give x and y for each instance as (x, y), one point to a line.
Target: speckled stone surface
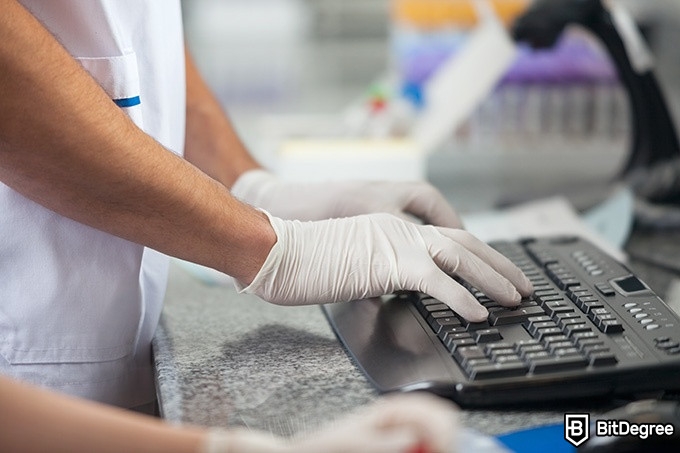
(227, 359)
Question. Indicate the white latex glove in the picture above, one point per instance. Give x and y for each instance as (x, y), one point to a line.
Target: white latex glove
(407, 423)
(372, 255)
(332, 199)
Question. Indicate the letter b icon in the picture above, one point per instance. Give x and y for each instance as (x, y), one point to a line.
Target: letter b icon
(576, 428)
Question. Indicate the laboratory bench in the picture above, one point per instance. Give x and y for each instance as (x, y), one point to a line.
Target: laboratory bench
(227, 359)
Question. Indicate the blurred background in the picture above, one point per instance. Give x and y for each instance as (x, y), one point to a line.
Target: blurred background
(294, 69)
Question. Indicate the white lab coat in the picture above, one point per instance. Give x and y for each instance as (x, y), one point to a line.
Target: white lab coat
(78, 307)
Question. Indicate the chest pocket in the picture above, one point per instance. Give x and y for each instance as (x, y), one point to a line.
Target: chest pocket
(119, 77)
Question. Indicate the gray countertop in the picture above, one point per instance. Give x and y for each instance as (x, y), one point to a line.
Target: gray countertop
(227, 359)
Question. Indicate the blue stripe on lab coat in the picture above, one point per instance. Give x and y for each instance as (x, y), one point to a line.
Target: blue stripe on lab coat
(127, 102)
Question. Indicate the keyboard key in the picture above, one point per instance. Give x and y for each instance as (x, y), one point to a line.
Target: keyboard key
(549, 331)
(585, 299)
(445, 334)
(589, 343)
(547, 341)
(567, 282)
(515, 358)
(435, 307)
(601, 318)
(498, 370)
(454, 345)
(605, 289)
(458, 336)
(518, 316)
(454, 335)
(531, 350)
(550, 298)
(559, 317)
(438, 324)
(533, 356)
(424, 300)
(574, 295)
(477, 362)
(487, 335)
(578, 336)
(576, 289)
(610, 326)
(540, 285)
(474, 325)
(495, 346)
(552, 347)
(534, 327)
(464, 353)
(495, 353)
(602, 358)
(557, 364)
(545, 258)
(569, 322)
(556, 307)
(570, 330)
(546, 292)
(534, 319)
(441, 314)
(587, 307)
(563, 352)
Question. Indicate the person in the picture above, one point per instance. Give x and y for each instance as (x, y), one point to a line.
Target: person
(33, 420)
(99, 102)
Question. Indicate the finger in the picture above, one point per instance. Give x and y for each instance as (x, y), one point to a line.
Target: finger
(441, 286)
(429, 205)
(454, 259)
(493, 258)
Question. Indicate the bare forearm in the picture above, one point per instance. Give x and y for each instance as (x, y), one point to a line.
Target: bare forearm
(34, 420)
(65, 145)
(211, 141)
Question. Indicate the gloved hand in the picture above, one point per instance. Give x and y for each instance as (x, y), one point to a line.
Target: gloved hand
(371, 255)
(333, 199)
(407, 423)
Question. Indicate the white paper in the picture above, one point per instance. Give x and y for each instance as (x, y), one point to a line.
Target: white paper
(547, 217)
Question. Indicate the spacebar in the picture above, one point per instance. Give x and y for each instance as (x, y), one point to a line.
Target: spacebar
(507, 316)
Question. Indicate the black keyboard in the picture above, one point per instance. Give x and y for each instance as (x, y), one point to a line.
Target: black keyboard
(591, 328)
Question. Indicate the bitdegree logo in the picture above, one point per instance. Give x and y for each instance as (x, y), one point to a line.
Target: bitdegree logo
(577, 428)
(611, 428)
